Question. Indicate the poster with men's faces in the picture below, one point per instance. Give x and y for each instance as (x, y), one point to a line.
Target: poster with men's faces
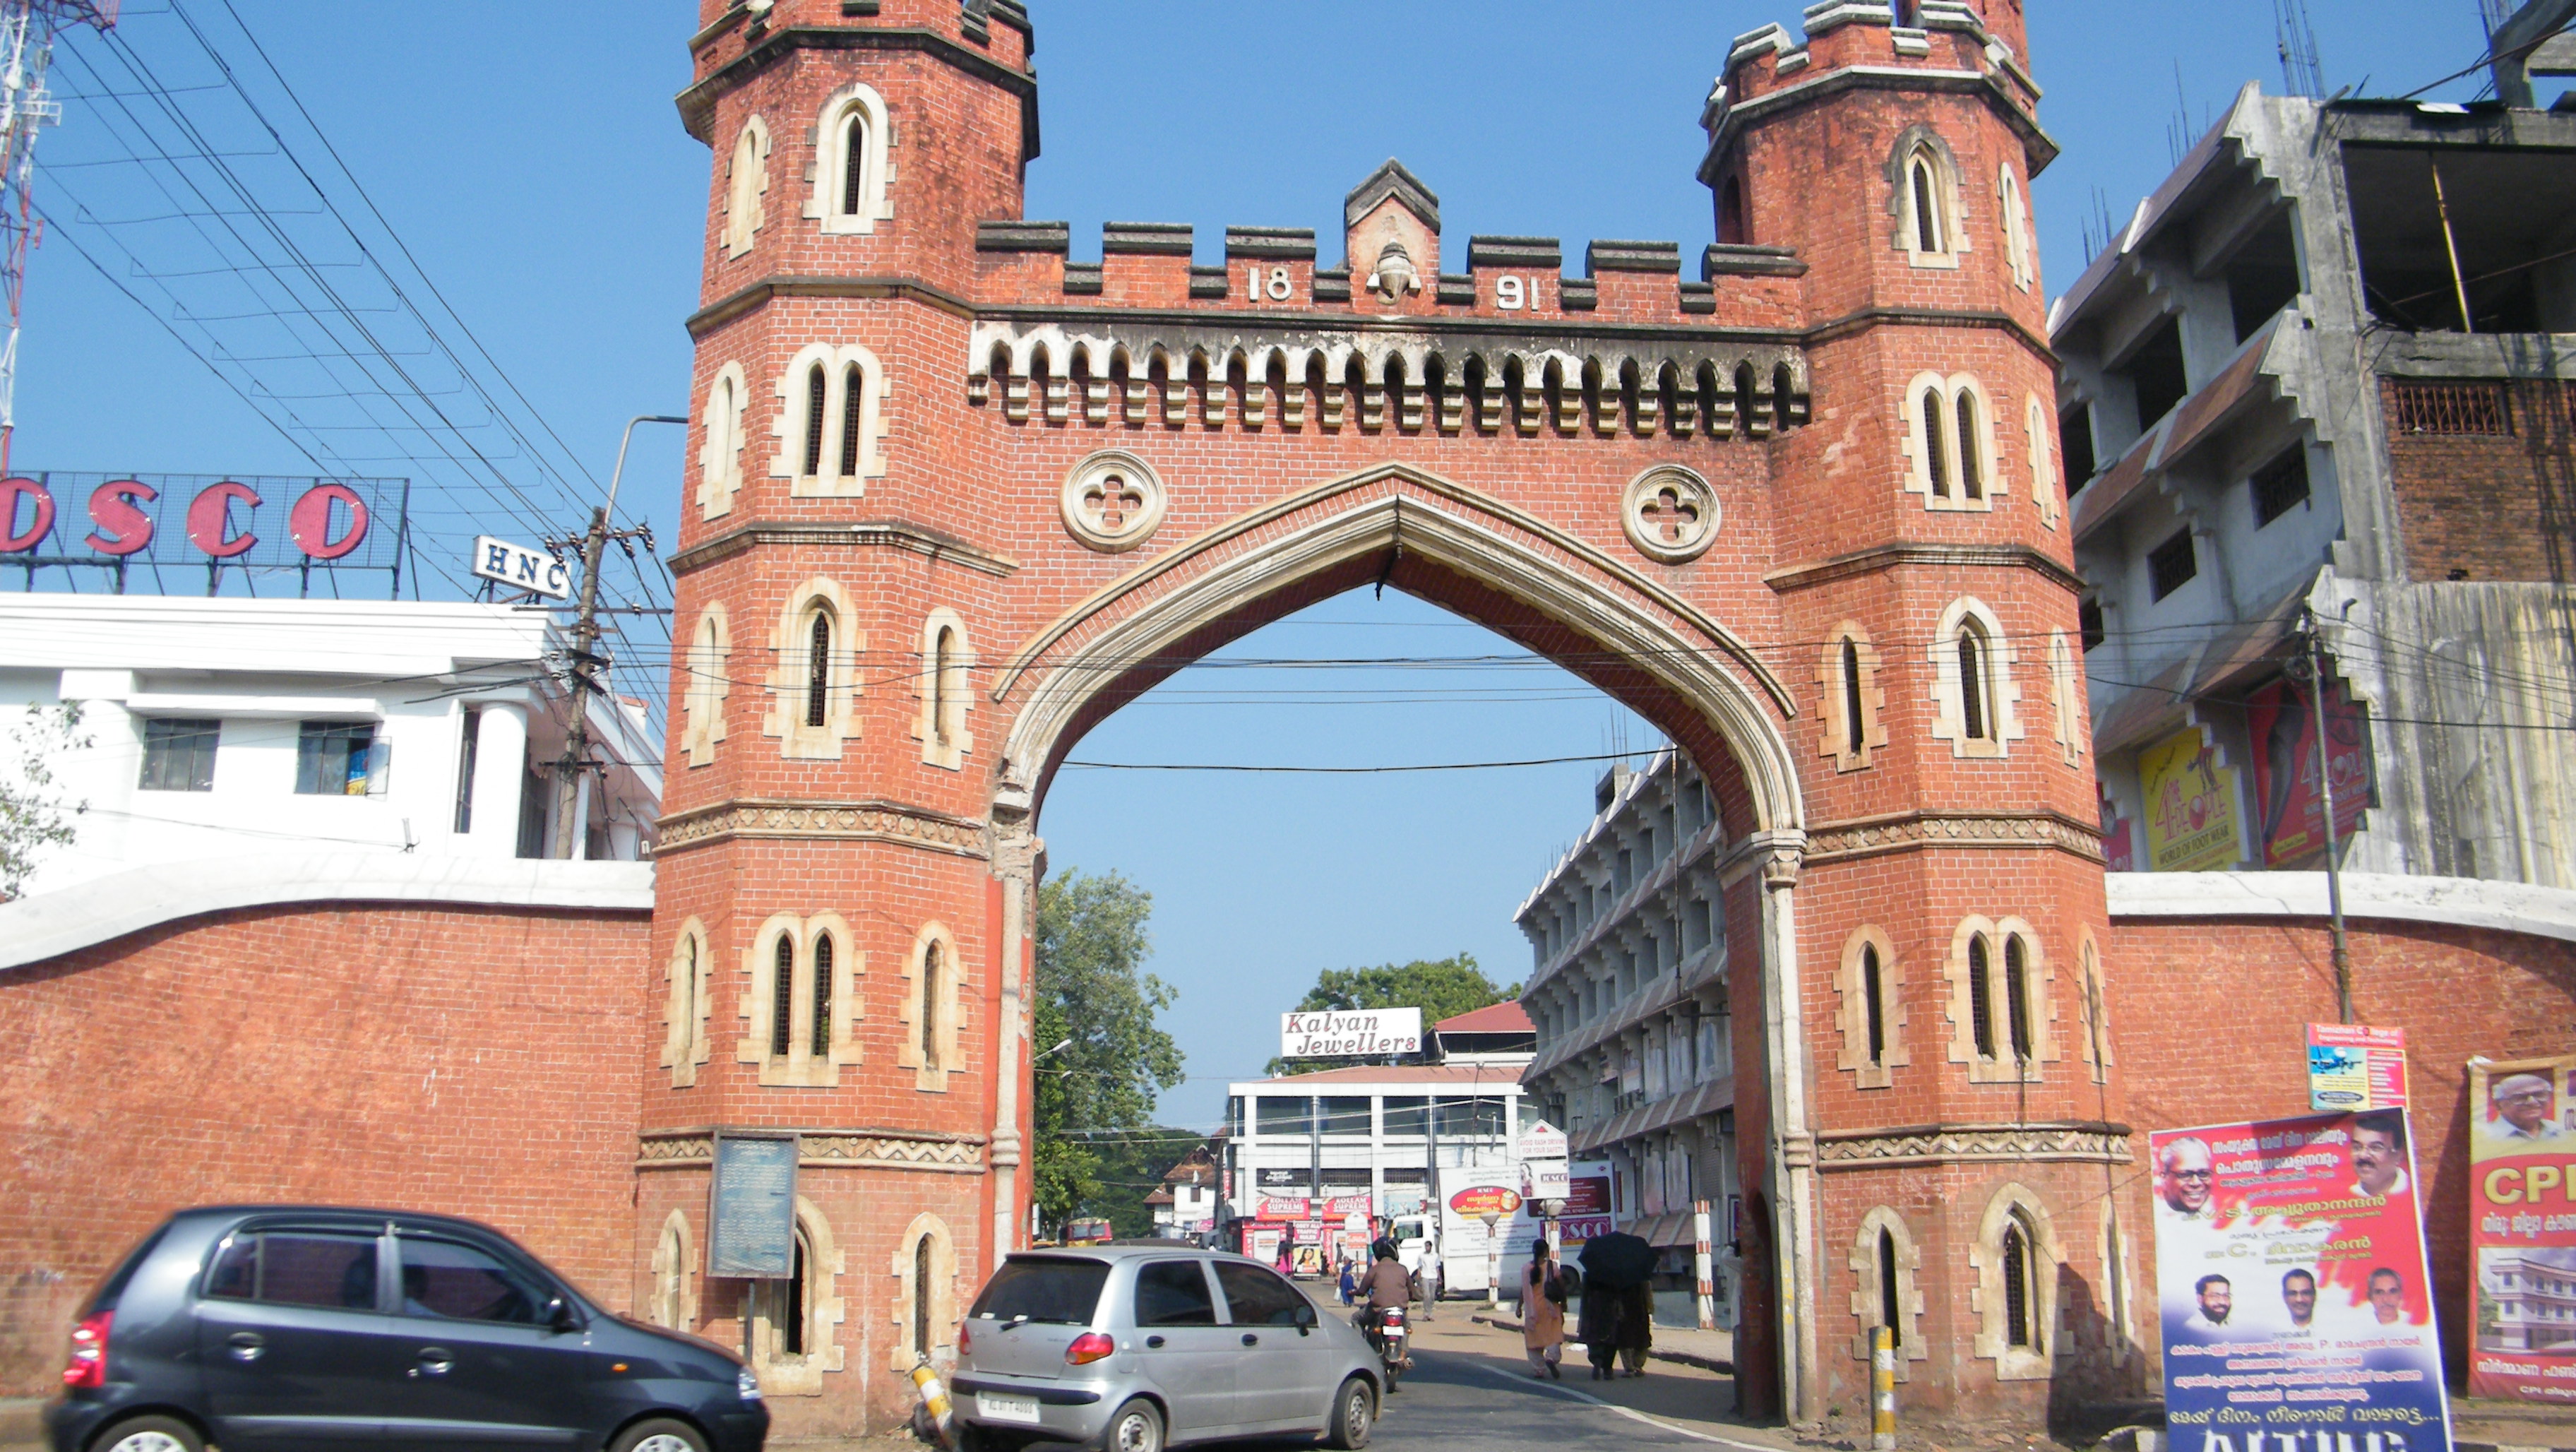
(2292, 1288)
(2522, 1228)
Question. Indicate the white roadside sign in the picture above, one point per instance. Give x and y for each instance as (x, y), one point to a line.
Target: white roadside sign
(521, 568)
(1350, 1033)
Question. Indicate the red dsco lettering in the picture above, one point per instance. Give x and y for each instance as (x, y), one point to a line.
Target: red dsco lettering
(210, 517)
(13, 490)
(116, 508)
(310, 521)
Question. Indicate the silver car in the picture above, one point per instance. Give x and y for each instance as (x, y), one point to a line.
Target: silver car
(1132, 1347)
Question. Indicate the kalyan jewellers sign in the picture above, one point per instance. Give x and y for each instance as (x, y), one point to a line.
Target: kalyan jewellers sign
(1350, 1033)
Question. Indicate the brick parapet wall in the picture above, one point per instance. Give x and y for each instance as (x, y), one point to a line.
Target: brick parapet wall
(2488, 506)
(469, 1061)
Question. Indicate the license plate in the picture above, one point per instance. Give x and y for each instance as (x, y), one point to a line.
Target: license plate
(1003, 1407)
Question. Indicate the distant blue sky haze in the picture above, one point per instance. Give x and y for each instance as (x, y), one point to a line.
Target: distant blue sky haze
(532, 159)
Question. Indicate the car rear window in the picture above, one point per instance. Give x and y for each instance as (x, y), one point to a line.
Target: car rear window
(112, 1289)
(1063, 1290)
(297, 1268)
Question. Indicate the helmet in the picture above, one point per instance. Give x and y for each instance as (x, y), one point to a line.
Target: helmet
(1384, 1249)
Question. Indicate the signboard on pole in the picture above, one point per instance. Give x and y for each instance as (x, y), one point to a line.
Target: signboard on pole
(518, 567)
(751, 1219)
(2522, 1229)
(2292, 1286)
(2191, 805)
(2354, 1067)
(1587, 1201)
(1350, 1033)
(2282, 723)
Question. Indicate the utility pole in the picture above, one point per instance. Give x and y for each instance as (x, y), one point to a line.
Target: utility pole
(27, 31)
(2315, 662)
(572, 803)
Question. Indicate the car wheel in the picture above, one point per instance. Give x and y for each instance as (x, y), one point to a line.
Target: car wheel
(150, 1434)
(1136, 1428)
(1354, 1416)
(659, 1434)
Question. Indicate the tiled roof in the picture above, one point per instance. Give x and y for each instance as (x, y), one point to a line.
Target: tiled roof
(1506, 1017)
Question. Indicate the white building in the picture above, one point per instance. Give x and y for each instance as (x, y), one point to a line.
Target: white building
(1189, 1203)
(225, 728)
(1628, 990)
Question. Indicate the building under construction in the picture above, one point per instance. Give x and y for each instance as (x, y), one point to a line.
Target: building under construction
(2326, 373)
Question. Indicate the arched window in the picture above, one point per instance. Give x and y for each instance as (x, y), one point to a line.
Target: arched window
(933, 995)
(921, 1282)
(1747, 421)
(1981, 998)
(1927, 204)
(797, 1296)
(1891, 1313)
(2017, 997)
(2019, 1302)
(1733, 228)
(818, 669)
(720, 456)
(818, 386)
(940, 650)
(853, 395)
(1935, 438)
(822, 1029)
(675, 1300)
(702, 697)
(1874, 1004)
(2014, 218)
(1974, 719)
(684, 1046)
(747, 180)
(782, 996)
(1972, 483)
(853, 136)
(1855, 740)
(854, 165)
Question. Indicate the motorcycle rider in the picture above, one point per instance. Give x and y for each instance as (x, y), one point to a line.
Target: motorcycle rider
(1385, 1285)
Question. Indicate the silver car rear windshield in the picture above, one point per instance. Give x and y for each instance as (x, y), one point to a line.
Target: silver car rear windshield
(1063, 1290)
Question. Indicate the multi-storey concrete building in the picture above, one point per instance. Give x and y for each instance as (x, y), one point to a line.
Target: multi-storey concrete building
(2324, 373)
(1628, 987)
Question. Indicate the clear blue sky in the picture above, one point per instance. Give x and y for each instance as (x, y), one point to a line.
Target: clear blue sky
(531, 160)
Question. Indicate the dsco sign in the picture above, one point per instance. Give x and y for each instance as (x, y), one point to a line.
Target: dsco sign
(97, 519)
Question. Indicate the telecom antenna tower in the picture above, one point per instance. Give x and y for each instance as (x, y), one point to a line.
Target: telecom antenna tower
(27, 31)
(2298, 39)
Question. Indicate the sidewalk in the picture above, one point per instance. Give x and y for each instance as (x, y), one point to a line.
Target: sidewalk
(1684, 1345)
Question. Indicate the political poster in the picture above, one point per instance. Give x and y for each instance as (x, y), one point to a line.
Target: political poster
(2282, 723)
(2292, 1288)
(2353, 1066)
(2191, 805)
(2522, 1228)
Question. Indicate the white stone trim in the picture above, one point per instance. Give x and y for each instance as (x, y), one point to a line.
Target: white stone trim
(2066, 697)
(1949, 210)
(757, 1006)
(2092, 1001)
(2002, 696)
(825, 1310)
(1922, 450)
(946, 692)
(942, 1008)
(1855, 1011)
(709, 659)
(1689, 492)
(687, 1004)
(1985, 1257)
(1832, 706)
(2514, 907)
(720, 456)
(2013, 215)
(746, 182)
(827, 482)
(2037, 427)
(1094, 477)
(674, 1305)
(48, 925)
(831, 139)
(792, 647)
(1866, 1301)
(942, 1351)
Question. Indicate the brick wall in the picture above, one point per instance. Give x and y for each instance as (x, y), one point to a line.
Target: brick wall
(2456, 991)
(2495, 505)
(477, 1062)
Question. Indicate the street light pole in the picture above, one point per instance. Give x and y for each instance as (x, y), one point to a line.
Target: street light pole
(572, 819)
(2316, 672)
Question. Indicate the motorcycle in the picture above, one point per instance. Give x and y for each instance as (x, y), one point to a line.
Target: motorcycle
(1386, 1330)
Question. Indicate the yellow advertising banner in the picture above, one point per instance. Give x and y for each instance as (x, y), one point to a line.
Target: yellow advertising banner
(2191, 805)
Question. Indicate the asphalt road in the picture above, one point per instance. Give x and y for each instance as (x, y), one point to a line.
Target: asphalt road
(1461, 1402)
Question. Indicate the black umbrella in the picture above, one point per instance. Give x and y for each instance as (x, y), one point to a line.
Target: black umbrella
(1617, 1261)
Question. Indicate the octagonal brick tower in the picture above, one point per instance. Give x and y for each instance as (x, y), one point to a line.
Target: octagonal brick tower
(953, 497)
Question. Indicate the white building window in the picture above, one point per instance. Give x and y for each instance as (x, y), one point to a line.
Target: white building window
(341, 759)
(179, 755)
(852, 169)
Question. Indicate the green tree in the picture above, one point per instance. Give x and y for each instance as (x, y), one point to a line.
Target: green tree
(33, 815)
(1131, 1168)
(1095, 998)
(1440, 987)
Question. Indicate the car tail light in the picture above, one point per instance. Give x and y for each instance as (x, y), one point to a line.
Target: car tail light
(88, 1365)
(965, 1339)
(1088, 1347)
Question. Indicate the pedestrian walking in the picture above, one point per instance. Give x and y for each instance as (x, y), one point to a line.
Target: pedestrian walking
(1636, 1326)
(1349, 1281)
(1431, 1286)
(1597, 1327)
(1543, 1315)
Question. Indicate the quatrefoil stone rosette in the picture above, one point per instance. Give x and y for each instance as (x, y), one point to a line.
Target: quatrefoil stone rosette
(1112, 501)
(1669, 514)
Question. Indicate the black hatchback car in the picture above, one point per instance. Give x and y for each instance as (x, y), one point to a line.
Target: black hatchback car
(279, 1329)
